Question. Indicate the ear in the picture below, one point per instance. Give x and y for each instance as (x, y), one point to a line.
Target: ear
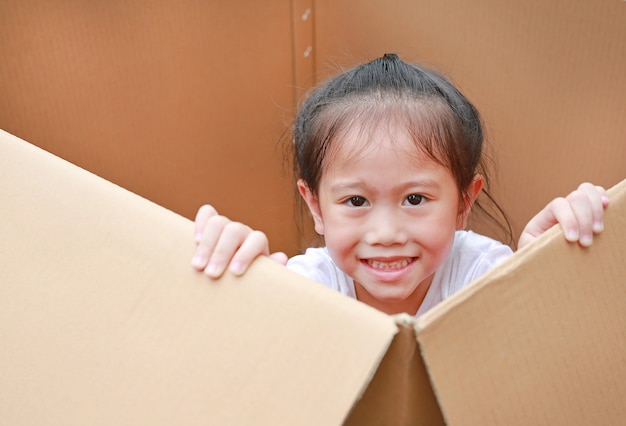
(313, 204)
(468, 200)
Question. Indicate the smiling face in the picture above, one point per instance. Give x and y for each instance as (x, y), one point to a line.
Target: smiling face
(388, 213)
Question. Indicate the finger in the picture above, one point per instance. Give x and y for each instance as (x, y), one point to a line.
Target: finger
(279, 257)
(590, 210)
(604, 195)
(563, 214)
(211, 233)
(232, 236)
(203, 215)
(597, 201)
(256, 244)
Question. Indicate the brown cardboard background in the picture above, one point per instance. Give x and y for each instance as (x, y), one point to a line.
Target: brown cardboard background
(184, 102)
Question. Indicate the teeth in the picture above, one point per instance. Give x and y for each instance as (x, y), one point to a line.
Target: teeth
(398, 264)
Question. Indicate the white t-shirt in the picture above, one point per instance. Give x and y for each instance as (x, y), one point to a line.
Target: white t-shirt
(471, 256)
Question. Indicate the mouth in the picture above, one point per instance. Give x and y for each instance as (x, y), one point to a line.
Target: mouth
(389, 269)
(390, 265)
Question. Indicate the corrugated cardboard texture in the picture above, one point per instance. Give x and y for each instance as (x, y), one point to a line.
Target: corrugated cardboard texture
(400, 394)
(541, 340)
(104, 322)
(180, 102)
(183, 102)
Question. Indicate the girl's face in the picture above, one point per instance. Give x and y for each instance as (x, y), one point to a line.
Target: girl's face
(388, 214)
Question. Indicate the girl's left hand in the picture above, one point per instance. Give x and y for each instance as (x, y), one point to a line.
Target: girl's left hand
(580, 214)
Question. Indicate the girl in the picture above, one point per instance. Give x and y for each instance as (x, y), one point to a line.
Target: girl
(389, 161)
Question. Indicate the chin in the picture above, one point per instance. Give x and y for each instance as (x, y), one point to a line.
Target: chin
(391, 297)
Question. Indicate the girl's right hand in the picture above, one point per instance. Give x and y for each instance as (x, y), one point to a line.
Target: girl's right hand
(222, 243)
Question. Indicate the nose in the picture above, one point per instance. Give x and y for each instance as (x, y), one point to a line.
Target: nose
(386, 227)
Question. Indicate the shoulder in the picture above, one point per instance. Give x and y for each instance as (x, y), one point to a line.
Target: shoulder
(312, 258)
(478, 252)
(472, 255)
(469, 243)
(317, 265)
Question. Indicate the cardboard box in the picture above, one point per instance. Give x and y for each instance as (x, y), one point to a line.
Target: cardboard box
(103, 321)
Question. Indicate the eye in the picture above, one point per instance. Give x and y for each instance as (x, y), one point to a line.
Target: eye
(356, 201)
(415, 199)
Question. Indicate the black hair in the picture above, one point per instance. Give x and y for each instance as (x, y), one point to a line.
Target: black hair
(443, 123)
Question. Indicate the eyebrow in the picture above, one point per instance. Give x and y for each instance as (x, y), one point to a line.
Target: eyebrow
(354, 185)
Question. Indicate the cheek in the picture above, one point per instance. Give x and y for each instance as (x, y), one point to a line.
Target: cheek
(341, 240)
(436, 236)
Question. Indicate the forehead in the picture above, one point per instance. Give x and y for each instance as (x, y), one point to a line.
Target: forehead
(415, 126)
(364, 138)
(384, 171)
(384, 155)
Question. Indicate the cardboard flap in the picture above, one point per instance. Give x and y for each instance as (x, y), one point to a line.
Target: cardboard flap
(540, 339)
(103, 320)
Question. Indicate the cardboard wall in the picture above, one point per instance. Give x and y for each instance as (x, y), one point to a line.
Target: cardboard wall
(184, 103)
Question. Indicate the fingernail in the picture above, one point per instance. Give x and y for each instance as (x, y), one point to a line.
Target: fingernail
(586, 240)
(598, 226)
(236, 268)
(571, 235)
(197, 261)
(605, 199)
(211, 270)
